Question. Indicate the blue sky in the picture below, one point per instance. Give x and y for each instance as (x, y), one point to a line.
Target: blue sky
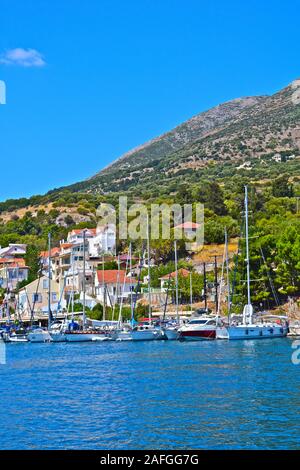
(104, 76)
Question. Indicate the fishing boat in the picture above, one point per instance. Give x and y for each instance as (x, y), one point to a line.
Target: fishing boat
(250, 327)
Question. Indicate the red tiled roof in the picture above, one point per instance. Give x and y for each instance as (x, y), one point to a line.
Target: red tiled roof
(181, 272)
(13, 262)
(76, 231)
(66, 245)
(113, 276)
(54, 251)
(188, 226)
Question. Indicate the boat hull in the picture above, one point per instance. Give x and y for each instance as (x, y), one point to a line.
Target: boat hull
(39, 337)
(197, 335)
(83, 337)
(58, 337)
(245, 332)
(171, 333)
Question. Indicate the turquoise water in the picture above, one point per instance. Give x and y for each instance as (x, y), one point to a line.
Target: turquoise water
(164, 395)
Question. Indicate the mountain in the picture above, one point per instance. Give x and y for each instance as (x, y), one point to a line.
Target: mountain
(252, 133)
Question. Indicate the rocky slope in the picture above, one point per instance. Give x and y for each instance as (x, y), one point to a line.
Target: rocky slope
(240, 134)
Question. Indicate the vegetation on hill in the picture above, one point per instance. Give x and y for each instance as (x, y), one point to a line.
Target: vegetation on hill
(208, 159)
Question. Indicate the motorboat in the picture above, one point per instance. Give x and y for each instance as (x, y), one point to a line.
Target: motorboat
(199, 328)
(39, 335)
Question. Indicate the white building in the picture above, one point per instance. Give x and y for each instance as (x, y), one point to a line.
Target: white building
(101, 240)
(13, 250)
(112, 285)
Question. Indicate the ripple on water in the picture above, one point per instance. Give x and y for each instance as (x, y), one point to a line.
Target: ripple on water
(217, 395)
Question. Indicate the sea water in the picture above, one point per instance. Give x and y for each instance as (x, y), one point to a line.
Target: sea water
(150, 395)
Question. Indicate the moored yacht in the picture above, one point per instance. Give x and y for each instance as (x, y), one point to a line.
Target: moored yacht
(248, 328)
(198, 328)
(39, 335)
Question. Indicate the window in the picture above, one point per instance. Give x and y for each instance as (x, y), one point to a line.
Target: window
(45, 283)
(37, 298)
(54, 296)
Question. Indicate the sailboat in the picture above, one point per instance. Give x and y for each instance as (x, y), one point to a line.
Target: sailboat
(248, 328)
(38, 334)
(146, 331)
(171, 330)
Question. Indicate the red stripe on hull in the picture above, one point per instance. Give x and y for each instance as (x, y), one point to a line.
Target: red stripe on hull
(208, 334)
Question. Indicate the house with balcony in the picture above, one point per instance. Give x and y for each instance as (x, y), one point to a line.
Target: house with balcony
(113, 285)
(101, 240)
(171, 277)
(34, 298)
(12, 272)
(13, 250)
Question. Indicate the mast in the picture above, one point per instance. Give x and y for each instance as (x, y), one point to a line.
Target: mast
(176, 279)
(49, 281)
(204, 286)
(247, 246)
(84, 281)
(216, 285)
(131, 293)
(227, 273)
(104, 291)
(149, 271)
(73, 284)
(191, 291)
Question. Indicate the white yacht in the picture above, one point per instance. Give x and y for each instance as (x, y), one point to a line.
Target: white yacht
(57, 332)
(199, 328)
(138, 333)
(39, 335)
(248, 328)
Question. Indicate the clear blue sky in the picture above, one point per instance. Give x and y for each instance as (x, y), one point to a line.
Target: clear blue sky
(114, 74)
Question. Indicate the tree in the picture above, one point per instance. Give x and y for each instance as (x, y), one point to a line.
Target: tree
(288, 260)
(32, 260)
(281, 187)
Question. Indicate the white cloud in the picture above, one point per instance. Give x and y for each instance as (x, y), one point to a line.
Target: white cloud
(23, 58)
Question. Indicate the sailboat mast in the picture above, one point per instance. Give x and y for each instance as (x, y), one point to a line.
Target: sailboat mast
(149, 271)
(227, 273)
(131, 285)
(176, 279)
(84, 280)
(49, 281)
(247, 246)
(191, 291)
(204, 286)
